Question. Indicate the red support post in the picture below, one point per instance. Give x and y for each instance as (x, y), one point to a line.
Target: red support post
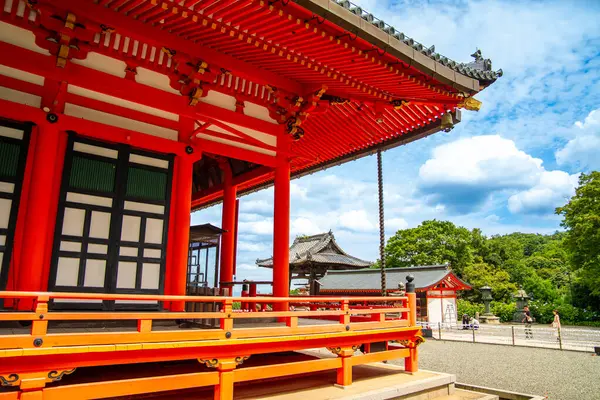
(253, 289)
(245, 293)
(181, 226)
(281, 228)
(235, 238)
(411, 363)
(412, 305)
(228, 225)
(38, 214)
(253, 293)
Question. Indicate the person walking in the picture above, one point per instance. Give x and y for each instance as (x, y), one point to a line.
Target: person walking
(527, 319)
(556, 324)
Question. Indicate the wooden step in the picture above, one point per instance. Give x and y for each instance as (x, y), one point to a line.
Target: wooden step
(460, 394)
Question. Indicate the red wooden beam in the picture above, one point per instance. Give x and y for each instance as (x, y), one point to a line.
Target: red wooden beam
(217, 191)
(156, 37)
(21, 112)
(227, 150)
(239, 134)
(39, 64)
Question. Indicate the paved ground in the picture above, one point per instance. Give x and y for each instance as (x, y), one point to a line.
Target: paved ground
(573, 338)
(560, 375)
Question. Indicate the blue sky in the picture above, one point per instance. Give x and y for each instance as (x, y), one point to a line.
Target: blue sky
(503, 169)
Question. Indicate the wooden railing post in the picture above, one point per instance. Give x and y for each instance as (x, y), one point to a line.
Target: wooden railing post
(227, 320)
(412, 305)
(292, 322)
(411, 363)
(226, 366)
(344, 373)
(345, 307)
(39, 327)
(144, 325)
(224, 390)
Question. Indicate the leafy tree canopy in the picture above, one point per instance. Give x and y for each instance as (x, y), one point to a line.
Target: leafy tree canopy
(561, 270)
(432, 242)
(581, 218)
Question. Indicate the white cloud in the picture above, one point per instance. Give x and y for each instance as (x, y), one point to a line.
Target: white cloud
(252, 247)
(583, 150)
(304, 226)
(260, 206)
(492, 218)
(553, 189)
(356, 220)
(480, 160)
(298, 191)
(465, 174)
(396, 224)
(263, 227)
(247, 267)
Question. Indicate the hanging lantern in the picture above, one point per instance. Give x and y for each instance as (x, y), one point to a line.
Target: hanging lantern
(447, 122)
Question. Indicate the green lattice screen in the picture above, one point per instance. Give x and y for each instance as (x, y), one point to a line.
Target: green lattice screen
(145, 184)
(94, 175)
(9, 159)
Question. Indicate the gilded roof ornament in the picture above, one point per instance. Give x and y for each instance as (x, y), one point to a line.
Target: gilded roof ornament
(470, 103)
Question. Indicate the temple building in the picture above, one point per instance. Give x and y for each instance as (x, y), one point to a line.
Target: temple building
(118, 118)
(436, 287)
(312, 256)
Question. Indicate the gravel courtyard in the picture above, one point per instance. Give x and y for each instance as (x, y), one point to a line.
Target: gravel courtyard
(560, 375)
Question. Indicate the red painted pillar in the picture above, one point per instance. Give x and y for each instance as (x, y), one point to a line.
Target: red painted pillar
(253, 294)
(181, 226)
(38, 215)
(281, 228)
(228, 224)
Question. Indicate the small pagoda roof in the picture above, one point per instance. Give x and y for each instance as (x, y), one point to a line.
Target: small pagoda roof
(205, 233)
(318, 249)
(369, 280)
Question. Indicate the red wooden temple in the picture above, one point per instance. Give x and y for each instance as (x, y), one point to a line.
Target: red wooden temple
(120, 117)
(436, 287)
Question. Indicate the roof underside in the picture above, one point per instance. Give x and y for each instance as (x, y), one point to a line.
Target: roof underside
(379, 88)
(370, 279)
(318, 250)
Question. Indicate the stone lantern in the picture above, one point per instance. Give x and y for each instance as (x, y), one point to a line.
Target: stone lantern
(522, 300)
(487, 317)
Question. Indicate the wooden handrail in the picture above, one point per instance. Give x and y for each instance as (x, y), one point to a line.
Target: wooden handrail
(349, 319)
(195, 299)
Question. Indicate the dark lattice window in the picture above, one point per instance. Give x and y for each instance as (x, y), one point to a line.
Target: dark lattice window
(146, 184)
(9, 159)
(94, 175)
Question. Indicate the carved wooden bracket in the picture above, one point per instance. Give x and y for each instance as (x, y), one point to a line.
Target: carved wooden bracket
(412, 343)
(36, 379)
(223, 363)
(344, 351)
(292, 110)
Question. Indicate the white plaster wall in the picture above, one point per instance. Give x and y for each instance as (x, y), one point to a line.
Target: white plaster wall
(19, 37)
(434, 311)
(120, 122)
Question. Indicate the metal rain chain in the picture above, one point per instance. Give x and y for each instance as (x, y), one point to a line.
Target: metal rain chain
(381, 221)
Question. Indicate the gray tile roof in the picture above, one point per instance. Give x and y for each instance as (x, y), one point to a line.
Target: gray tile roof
(480, 69)
(320, 249)
(370, 279)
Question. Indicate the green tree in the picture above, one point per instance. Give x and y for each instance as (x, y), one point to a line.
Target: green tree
(482, 274)
(581, 217)
(432, 242)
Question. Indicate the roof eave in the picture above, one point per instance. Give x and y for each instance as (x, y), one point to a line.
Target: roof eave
(351, 22)
(401, 140)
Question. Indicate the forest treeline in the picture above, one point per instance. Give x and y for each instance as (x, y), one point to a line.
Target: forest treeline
(559, 271)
